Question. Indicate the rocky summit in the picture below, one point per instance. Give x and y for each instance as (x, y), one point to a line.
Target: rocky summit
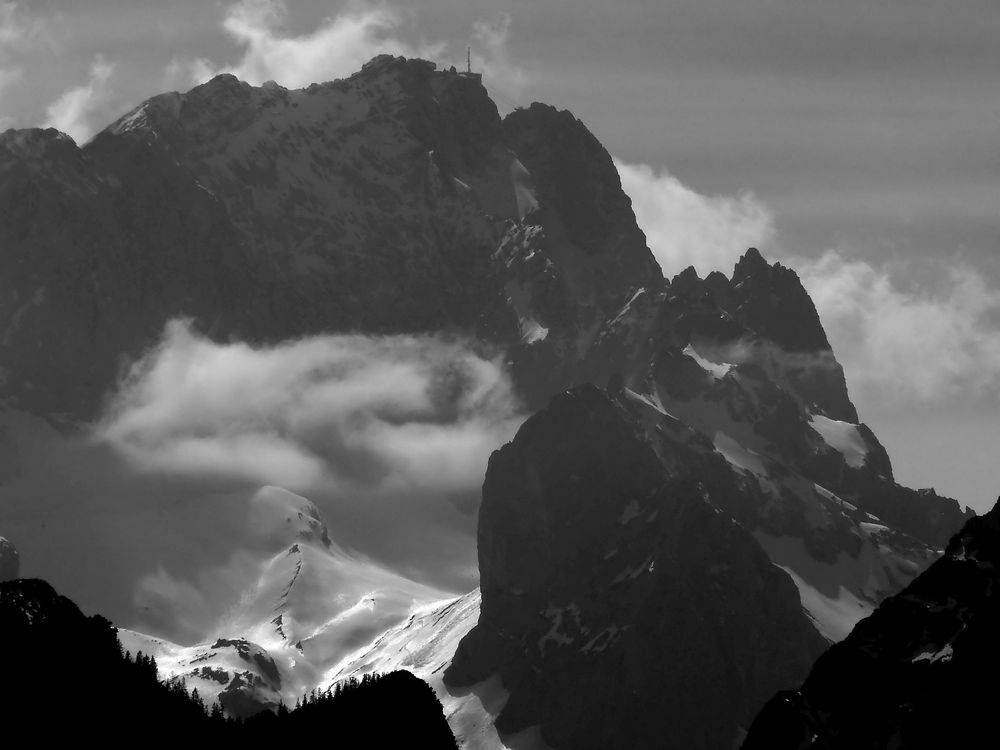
(389, 201)
(621, 607)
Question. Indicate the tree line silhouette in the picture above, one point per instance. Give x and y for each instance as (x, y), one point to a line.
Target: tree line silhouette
(65, 676)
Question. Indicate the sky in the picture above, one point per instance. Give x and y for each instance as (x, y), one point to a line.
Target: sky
(853, 141)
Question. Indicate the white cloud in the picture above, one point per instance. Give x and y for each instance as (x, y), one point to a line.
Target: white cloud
(352, 412)
(181, 73)
(18, 31)
(389, 436)
(504, 77)
(74, 111)
(908, 341)
(339, 46)
(685, 228)
(899, 339)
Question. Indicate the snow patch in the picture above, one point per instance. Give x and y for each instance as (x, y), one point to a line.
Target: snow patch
(743, 459)
(716, 369)
(873, 529)
(834, 616)
(631, 511)
(827, 495)
(554, 635)
(532, 331)
(843, 437)
(933, 657)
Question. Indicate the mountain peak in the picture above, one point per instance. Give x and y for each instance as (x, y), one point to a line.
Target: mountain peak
(751, 264)
(771, 300)
(36, 143)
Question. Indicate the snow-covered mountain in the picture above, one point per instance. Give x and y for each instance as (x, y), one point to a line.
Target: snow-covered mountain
(312, 605)
(743, 507)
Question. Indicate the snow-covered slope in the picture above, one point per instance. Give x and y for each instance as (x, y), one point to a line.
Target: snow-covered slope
(311, 605)
(318, 615)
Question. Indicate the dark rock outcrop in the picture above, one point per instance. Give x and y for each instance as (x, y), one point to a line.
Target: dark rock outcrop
(918, 673)
(621, 607)
(66, 679)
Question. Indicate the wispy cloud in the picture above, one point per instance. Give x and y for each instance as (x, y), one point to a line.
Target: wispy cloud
(337, 47)
(77, 111)
(356, 411)
(491, 56)
(18, 28)
(389, 435)
(19, 31)
(686, 228)
(900, 337)
(905, 339)
(340, 45)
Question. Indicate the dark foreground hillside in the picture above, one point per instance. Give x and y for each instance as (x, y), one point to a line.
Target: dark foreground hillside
(920, 672)
(64, 676)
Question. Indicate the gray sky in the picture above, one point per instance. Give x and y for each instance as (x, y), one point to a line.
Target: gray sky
(866, 132)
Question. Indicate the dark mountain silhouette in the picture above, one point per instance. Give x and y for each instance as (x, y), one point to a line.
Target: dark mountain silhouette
(918, 673)
(65, 677)
(621, 607)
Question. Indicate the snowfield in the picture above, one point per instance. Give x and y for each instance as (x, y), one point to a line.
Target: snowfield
(842, 437)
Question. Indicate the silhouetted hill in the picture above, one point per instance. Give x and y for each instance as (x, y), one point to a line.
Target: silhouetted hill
(66, 677)
(920, 672)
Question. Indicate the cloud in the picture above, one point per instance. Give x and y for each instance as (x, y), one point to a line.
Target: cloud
(685, 228)
(74, 111)
(352, 411)
(490, 56)
(903, 332)
(8, 77)
(917, 341)
(18, 31)
(389, 436)
(339, 46)
(183, 73)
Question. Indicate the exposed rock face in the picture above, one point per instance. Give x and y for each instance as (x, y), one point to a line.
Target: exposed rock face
(389, 201)
(691, 627)
(398, 200)
(918, 673)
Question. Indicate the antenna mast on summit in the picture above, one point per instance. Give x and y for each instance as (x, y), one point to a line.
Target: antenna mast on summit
(468, 59)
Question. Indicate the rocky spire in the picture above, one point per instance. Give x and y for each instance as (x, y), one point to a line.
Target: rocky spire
(771, 300)
(752, 263)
